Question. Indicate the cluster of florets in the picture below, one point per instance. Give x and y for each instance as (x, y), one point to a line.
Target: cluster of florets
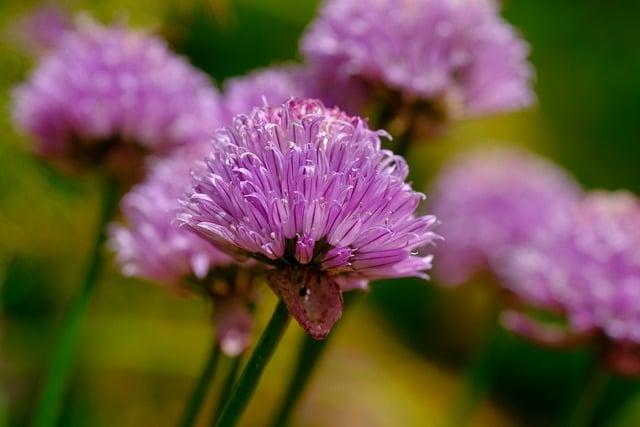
(458, 52)
(492, 201)
(309, 191)
(107, 92)
(590, 271)
(149, 245)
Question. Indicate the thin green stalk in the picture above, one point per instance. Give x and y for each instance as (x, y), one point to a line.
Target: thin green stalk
(199, 393)
(311, 351)
(50, 403)
(403, 141)
(588, 401)
(478, 376)
(250, 377)
(229, 381)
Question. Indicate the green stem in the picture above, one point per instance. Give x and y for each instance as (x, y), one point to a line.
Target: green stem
(248, 381)
(403, 141)
(50, 403)
(310, 353)
(588, 401)
(202, 387)
(478, 376)
(229, 381)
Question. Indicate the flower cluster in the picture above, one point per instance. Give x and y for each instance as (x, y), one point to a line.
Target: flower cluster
(308, 191)
(493, 200)
(269, 86)
(603, 280)
(591, 272)
(457, 52)
(152, 247)
(105, 90)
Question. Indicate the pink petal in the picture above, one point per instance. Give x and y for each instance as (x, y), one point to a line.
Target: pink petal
(348, 283)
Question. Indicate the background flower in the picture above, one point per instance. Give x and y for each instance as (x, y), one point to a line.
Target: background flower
(492, 200)
(590, 271)
(603, 283)
(273, 85)
(151, 246)
(461, 53)
(108, 89)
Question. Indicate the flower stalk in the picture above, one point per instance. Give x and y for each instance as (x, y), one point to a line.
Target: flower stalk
(588, 400)
(479, 375)
(311, 351)
(50, 404)
(250, 376)
(199, 393)
(227, 386)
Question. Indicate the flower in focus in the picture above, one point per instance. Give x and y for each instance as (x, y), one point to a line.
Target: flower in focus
(308, 191)
(592, 271)
(109, 94)
(458, 53)
(269, 86)
(492, 201)
(152, 247)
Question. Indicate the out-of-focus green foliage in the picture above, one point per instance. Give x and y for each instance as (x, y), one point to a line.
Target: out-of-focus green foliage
(398, 358)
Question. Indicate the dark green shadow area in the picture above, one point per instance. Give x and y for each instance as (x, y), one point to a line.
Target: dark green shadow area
(250, 35)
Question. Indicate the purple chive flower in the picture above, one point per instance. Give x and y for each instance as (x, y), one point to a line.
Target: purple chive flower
(461, 53)
(592, 272)
(42, 29)
(109, 90)
(272, 86)
(152, 247)
(492, 201)
(308, 191)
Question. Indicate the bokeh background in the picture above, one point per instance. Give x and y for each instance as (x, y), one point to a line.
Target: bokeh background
(399, 359)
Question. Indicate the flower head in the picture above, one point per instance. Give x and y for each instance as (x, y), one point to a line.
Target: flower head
(493, 201)
(270, 86)
(308, 191)
(591, 270)
(152, 247)
(105, 90)
(606, 266)
(451, 51)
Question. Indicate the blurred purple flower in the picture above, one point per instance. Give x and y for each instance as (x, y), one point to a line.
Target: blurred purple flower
(492, 201)
(604, 283)
(270, 86)
(592, 271)
(461, 53)
(110, 89)
(43, 28)
(152, 247)
(309, 191)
